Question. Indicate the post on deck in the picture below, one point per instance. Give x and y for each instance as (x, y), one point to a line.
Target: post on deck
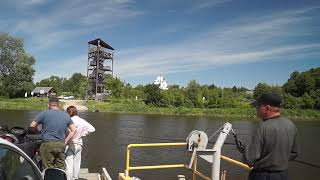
(217, 151)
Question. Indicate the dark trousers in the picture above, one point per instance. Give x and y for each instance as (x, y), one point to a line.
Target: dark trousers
(268, 175)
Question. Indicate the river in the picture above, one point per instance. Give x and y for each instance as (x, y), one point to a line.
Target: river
(107, 146)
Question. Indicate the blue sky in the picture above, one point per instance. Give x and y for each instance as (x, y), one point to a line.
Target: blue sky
(221, 42)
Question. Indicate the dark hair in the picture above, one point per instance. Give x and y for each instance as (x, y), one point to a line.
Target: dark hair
(72, 111)
(53, 99)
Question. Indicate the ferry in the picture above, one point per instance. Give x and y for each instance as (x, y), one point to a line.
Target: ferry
(196, 143)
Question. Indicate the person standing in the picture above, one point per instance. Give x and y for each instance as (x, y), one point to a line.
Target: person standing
(55, 124)
(274, 142)
(74, 147)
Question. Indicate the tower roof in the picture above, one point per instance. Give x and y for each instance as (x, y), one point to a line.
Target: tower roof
(102, 43)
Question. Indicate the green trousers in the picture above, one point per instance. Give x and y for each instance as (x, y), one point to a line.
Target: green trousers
(52, 154)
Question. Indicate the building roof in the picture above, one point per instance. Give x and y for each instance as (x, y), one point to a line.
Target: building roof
(102, 43)
(45, 89)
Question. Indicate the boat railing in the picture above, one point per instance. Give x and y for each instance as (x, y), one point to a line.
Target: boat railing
(195, 172)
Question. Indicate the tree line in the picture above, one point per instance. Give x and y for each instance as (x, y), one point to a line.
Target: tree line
(301, 91)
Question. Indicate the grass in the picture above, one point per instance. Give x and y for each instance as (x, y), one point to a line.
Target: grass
(128, 106)
(131, 106)
(24, 103)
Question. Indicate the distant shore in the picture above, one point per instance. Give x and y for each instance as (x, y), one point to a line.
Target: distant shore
(140, 108)
(224, 113)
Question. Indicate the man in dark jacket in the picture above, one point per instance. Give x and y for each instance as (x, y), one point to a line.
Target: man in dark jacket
(273, 143)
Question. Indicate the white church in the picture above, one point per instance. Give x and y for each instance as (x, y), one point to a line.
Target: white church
(161, 82)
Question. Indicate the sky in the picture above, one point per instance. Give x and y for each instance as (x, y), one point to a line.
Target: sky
(221, 42)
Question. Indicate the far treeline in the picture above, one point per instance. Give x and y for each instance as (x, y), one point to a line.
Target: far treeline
(301, 91)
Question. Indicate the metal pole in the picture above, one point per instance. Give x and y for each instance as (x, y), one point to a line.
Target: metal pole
(127, 162)
(217, 151)
(195, 164)
(97, 67)
(112, 65)
(87, 74)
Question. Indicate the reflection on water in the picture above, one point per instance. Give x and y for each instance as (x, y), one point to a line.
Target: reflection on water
(107, 146)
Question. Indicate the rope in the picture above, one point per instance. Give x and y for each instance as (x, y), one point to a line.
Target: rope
(215, 133)
(307, 163)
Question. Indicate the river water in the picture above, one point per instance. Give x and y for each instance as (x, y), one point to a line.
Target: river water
(107, 146)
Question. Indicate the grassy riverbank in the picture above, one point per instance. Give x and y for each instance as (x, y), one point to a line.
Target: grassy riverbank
(228, 113)
(128, 106)
(24, 103)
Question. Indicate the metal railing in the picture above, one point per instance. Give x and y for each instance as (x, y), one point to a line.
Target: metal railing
(128, 167)
(195, 172)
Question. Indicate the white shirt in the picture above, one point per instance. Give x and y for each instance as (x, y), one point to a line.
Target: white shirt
(83, 129)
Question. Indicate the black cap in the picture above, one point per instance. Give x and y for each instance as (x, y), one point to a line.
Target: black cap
(53, 99)
(271, 99)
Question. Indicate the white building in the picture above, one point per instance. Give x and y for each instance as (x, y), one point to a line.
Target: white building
(161, 82)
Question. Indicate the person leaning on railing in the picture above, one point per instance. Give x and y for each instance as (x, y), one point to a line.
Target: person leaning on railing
(273, 143)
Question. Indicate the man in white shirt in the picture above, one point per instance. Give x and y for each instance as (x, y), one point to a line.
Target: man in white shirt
(74, 147)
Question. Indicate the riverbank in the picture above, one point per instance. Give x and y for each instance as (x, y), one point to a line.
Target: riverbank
(79, 104)
(139, 107)
(227, 113)
(25, 103)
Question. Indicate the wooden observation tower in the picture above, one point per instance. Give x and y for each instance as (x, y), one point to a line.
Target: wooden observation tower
(100, 63)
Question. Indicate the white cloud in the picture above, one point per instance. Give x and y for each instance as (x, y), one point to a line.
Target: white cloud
(69, 66)
(69, 19)
(244, 40)
(34, 2)
(241, 40)
(201, 4)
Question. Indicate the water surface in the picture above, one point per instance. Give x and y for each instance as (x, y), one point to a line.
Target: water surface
(107, 146)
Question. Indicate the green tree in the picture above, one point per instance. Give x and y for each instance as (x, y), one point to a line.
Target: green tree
(234, 89)
(307, 102)
(76, 84)
(153, 95)
(193, 93)
(213, 98)
(115, 85)
(53, 81)
(173, 97)
(290, 86)
(212, 86)
(315, 95)
(174, 86)
(300, 83)
(260, 89)
(263, 88)
(305, 83)
(315, 73)
(290, 102)
(16, 67)
(82, 89)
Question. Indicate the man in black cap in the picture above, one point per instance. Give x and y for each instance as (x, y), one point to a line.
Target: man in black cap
(273, 143)
(55, 124)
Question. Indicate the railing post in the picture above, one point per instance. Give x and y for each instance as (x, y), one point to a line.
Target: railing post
(215, 173)
(194, 175)
(127, 162)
